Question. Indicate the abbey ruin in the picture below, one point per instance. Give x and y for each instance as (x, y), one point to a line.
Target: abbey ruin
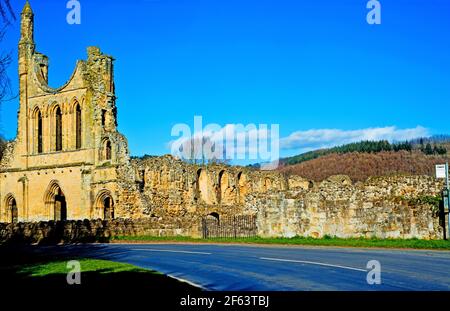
(69, 162)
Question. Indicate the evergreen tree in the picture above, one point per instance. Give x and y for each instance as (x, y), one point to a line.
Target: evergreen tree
(428, 149)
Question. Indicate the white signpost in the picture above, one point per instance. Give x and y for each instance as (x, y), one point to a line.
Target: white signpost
(441, 171)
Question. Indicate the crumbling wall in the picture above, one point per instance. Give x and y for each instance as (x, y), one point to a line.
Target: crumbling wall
(172, 187)
(169, 189)
(90, 231)
(385, 207)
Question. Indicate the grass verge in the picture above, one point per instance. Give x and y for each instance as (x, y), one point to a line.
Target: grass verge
(325, 241)
(28, 268)
(101, 266)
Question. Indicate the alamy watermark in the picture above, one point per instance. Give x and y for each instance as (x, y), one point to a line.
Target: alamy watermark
(214, 143)
(74, 274)
(374, 275)
(73, 17)
(374, 15)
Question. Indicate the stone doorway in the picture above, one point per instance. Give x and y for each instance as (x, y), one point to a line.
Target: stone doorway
(104, 205)
(12, 210)
(60, 206)
(108, 208)
(55, 202)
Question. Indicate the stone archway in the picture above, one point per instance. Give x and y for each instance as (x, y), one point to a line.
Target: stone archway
(55, 202)
(104, 205)
(214, 217)
(108, 208)
(12, 211)
(211, 225)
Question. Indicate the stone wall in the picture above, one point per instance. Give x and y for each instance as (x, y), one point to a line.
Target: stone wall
(165, 196)
(387, 207)
(170, 186)
(285, 205)
(89, 231)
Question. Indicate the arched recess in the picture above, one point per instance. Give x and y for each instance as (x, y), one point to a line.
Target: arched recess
(55, 202)
(267, 184)
(12, 212)
(225, 191)
(214, 217)
(202, 186)
(104, 205)
(243, 187)
(37, 131)
(106, 151)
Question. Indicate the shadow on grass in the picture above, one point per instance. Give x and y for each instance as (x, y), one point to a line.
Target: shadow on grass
(19, 266)
(95, 280)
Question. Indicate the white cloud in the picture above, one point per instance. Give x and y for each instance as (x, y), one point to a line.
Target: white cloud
(234, 140)
(326, 138)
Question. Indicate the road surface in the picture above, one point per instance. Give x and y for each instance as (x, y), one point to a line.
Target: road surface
(285, 268)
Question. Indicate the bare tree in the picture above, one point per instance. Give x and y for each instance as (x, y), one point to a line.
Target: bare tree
(6, 11)
(7, 16)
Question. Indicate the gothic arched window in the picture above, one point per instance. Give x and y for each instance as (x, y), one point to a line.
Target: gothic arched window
(108, 149)
(78, 127)
(38, 131)
(58, 129)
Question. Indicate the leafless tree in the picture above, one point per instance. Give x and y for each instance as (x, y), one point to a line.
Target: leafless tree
(7, 16)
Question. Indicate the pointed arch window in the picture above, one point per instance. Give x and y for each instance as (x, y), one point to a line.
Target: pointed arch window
(38, 147)
(58, 129)
(39, 132)
(107, 150)
(78, 126)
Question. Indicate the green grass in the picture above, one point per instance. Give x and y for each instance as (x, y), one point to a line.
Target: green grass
(325, 241)
(33, 268)
(87, 265)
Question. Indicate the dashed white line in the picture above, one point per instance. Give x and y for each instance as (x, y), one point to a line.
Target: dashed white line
(312, 263)
(169, 251)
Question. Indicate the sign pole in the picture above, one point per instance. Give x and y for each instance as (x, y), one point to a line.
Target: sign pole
(446, 175)
(448, 199)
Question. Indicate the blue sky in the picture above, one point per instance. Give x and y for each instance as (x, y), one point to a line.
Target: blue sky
(315, 67)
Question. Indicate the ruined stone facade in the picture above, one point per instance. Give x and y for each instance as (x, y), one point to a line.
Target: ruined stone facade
(68, 161)
(382, 207)
(287, 206)
(63, 162)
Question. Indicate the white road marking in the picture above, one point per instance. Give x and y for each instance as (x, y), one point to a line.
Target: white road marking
(168, 251)
(313, 263)
(186, 281)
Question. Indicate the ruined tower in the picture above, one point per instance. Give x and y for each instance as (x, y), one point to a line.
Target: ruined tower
(64, 161)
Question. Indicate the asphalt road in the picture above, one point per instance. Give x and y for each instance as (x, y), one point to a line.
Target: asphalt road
(254, 268)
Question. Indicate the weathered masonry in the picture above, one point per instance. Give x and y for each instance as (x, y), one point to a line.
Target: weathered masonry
(69, 162)
(62, 164)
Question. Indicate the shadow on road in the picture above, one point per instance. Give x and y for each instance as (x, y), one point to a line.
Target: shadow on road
(14, 261)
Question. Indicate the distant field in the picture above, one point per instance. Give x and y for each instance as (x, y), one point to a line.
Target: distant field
(326, 241)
